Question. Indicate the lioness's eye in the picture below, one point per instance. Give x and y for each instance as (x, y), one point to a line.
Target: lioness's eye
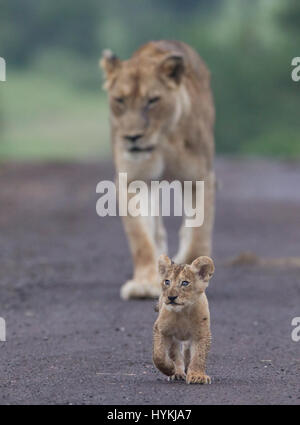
(153, 100)
(119, 100)
(185, 283)
(167, 282)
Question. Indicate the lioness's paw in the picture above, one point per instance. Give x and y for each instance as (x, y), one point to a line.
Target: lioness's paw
(134, 289)
(197, 378)
(179, 259)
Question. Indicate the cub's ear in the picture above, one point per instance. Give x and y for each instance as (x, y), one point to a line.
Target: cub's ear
(203, 267)
(164, 263)
(171, 70)
(110, 64)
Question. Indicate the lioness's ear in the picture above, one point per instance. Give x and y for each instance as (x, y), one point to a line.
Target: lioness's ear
(163, 263)
(203, 267)
(171, 69)
(110, 64)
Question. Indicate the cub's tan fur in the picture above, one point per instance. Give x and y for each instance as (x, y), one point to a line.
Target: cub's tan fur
(162, 118)
(181, 333)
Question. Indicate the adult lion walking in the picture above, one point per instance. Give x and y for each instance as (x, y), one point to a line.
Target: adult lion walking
(162, 119)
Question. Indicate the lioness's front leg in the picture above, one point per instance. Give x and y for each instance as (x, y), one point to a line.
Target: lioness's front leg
(161, 347)
(197, 241)
(147, 239)
(196, 369)
(145, 281)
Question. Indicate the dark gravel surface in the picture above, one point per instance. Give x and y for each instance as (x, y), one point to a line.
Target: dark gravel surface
(71, 339)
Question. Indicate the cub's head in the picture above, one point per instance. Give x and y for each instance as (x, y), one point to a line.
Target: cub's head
(146, 96)
(183, 283)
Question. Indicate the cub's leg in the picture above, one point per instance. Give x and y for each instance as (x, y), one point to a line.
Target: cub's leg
(197, 241)
(177, 357)
(140, 231)
(186, 355)
(161, 347)
(196, 369)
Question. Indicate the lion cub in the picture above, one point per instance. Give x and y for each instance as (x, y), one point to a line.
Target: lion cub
(181, 333)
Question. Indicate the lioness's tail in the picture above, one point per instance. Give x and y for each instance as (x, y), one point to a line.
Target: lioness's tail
(251, 259)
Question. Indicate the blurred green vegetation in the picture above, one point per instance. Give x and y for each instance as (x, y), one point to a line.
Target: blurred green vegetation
(45, 118)
(52, 105)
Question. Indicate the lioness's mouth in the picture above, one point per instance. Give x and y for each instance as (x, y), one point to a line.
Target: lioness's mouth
(173, 303)
(136, 149)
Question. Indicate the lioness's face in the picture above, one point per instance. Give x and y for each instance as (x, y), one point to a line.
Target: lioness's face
(142, 97)
(183, 284)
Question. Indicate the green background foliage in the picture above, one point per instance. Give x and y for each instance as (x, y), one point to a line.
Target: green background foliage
(52, 105)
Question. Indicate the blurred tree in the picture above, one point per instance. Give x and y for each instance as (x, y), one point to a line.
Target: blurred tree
(28, 26)
(247, 45)
(290, 17)
(189, 6)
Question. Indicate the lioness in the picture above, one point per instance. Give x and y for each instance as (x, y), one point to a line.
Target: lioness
(183, 318)
(162, 118)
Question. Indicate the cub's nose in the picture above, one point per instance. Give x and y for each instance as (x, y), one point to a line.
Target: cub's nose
(172, 298)
(132, 138)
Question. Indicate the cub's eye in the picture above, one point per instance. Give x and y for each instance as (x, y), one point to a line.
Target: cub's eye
(153, 100)
(167, 282)
(185, 283)
(119, 100)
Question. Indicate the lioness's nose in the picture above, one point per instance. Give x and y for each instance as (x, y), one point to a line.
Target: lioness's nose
(172, 298)
(133, 137)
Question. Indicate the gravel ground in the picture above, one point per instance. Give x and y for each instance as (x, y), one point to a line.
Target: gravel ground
(72, 340)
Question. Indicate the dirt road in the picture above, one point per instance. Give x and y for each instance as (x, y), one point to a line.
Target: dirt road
(71, 339)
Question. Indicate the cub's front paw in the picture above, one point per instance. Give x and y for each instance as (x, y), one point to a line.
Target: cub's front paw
(197, 378)
(178, 376)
